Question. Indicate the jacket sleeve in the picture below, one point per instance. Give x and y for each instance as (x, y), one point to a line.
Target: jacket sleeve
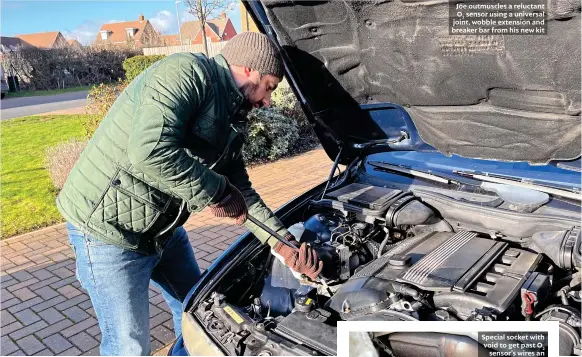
(168, 95)
(238, 176)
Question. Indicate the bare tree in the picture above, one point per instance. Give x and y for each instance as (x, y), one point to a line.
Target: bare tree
(204, 10)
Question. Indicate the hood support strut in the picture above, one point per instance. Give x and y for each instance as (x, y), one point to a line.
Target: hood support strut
(333, 168)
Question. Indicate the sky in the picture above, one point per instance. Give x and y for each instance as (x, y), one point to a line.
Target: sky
(81, 19)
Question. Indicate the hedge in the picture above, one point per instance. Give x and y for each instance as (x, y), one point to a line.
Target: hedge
(45, 69)
(133, 66)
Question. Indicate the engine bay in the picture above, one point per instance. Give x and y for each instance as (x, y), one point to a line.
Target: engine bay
(391, 254)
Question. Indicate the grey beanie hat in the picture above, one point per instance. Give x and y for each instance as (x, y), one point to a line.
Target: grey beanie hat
(256, 51)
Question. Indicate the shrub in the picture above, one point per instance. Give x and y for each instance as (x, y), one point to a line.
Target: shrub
(99, 101)
(60, 159)
(284, 99)
(270, 135)
(286, 102)
(135, 65)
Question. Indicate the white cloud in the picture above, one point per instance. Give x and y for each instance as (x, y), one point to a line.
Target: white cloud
(165, 22)
(84, 33)
(186, 16)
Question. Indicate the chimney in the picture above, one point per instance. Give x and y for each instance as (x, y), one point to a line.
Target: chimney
(223, 15)
(141, 17)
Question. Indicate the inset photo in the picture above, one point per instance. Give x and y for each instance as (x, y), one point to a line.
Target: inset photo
(482, 339)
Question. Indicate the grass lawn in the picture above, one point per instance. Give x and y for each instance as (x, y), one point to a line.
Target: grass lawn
(45, 92)
(28, 195)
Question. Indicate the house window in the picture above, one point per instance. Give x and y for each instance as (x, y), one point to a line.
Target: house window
(104, 35)
(130, 32)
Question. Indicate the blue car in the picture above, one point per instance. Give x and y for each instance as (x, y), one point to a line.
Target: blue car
(454, 194)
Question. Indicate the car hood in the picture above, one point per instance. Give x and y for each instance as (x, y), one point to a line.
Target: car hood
(506, 98)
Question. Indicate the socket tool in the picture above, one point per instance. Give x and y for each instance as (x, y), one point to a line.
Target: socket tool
(283, 241)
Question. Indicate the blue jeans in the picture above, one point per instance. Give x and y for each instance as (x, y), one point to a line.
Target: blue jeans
(117, 281)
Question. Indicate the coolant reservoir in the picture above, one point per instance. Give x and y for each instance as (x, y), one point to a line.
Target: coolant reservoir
(281, 285)
(281, 276)
(297, 230)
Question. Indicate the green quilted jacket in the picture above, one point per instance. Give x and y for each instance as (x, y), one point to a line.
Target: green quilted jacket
(159, 155)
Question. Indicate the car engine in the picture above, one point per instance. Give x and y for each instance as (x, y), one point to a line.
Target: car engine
(393, 255)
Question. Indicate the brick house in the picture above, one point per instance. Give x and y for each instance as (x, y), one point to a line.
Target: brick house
(9, 44)
(44, 39)
(247, 23)
(74, 44)
(217, 30)
(171, 40)
(138, 34)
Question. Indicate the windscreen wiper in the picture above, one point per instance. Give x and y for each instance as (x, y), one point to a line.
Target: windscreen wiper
(478, 179)
(404, 135)
(426, 174)
(557, 190)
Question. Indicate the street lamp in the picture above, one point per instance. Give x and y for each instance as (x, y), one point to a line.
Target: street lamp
(178, 18)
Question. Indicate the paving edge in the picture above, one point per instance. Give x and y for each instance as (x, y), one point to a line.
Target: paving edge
(51, 228)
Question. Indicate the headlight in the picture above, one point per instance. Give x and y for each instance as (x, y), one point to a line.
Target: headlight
(196, 341)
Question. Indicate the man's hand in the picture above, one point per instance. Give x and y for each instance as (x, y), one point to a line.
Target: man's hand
(302, 260)
(231, 205)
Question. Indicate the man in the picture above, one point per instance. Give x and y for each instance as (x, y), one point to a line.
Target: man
(169, 146)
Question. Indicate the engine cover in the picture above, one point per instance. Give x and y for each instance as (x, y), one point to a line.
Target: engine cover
(465, 271)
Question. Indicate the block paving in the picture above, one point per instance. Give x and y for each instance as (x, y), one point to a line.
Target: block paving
(44, 310)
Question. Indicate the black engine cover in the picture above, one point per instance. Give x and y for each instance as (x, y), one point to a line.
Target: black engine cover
(466, 272)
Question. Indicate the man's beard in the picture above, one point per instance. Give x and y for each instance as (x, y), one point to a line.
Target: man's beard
(248, 89)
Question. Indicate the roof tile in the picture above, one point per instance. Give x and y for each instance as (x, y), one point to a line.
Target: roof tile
(42, 40)
(118, 31)
(191, 28)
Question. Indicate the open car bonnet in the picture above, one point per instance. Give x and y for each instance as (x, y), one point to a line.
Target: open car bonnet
(495, 97)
